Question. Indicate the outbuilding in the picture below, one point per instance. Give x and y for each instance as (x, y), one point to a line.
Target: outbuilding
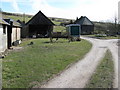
(13, 33)
(87, 26)
(38, 26)
(73, 31)
(3, 35)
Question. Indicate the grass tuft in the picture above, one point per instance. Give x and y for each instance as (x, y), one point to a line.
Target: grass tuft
(103, 76)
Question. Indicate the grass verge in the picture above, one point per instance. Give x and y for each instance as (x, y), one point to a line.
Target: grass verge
(38, 62)
(103, 76)
(102, 37)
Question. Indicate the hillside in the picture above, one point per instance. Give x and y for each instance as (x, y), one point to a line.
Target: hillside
(27, 17)
(99, 27)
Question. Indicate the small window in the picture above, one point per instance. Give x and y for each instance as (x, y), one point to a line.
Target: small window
(4, 29)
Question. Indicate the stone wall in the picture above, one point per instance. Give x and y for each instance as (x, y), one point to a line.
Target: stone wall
(3, 39)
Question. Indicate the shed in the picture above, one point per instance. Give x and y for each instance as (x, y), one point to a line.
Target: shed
(13, 32)
(74, 30)
(87, 26)
(3, 35)
(39, 26)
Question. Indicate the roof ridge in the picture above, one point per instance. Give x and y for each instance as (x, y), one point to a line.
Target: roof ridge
(83, 20)
(41, 16)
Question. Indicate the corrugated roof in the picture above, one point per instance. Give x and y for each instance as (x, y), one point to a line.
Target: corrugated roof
(14, 22)
(3, 21)
(39, 19)
(83, 20)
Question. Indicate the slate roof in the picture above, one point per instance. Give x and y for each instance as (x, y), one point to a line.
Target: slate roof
(14, 22)
(39, 19)
(3, 21)
(83, 20)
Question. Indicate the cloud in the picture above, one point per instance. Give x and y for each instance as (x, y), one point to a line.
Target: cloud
(96, 10)
(93, 9)
(49, 10)
(13, 3)
(5, 0)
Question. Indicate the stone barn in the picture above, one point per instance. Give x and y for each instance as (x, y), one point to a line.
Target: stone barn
(3, 35)
(13, 33)
(87, 27)
(38, 26)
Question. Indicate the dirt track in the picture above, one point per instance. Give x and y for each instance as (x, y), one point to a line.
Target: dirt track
(78, 74)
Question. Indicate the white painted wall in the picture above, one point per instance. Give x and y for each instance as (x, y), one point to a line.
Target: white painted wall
(13, 35)
(3, 39)
(16, 33)
(19, 33)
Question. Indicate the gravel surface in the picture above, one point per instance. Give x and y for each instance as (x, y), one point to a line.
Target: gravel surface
(114, 50)
(78, 74)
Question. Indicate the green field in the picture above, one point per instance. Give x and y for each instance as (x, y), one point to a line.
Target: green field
(103, 77)
(59, 29)
(26, 18)
(56, 23)
(39, 62)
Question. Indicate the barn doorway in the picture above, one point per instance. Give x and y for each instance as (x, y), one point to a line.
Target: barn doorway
(38, 30)
(9, 37)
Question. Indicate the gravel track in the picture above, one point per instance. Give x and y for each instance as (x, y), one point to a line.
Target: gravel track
(78, 74)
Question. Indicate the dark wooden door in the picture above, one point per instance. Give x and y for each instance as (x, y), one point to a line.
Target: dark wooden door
(9, 36)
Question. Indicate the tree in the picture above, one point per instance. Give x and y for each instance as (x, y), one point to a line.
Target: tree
(71, 22)
(77, 18)
(113, 26)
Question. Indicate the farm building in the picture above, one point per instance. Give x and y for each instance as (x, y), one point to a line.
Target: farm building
(87, 27)
(38, 26)
(13, 32)
(3, 35)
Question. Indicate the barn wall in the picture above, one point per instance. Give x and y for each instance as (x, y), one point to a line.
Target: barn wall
(25, 32)
(3, 39)
(87, 29)
(18, 33)
(15, 34)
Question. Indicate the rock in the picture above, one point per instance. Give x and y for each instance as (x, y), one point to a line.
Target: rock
(31, 43)
(2, 56)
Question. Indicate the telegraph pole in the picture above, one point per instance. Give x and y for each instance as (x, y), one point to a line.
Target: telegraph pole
(24, 17)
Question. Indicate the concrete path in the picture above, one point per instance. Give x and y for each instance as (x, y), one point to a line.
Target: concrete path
(78, 74)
